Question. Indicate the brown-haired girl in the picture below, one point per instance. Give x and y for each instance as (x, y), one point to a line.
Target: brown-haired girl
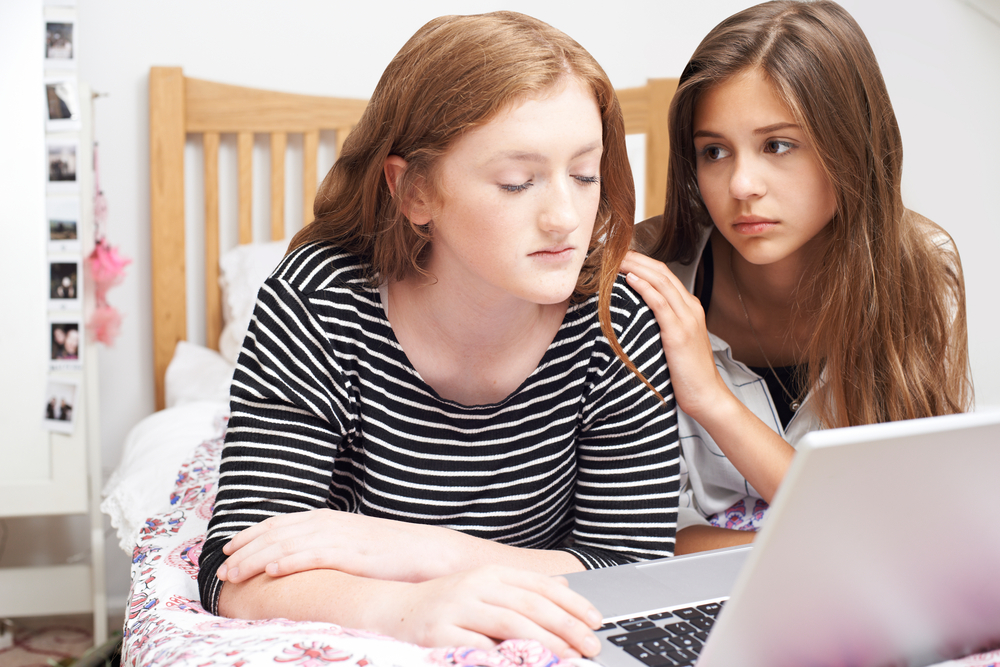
(800, 293)
(447, 394)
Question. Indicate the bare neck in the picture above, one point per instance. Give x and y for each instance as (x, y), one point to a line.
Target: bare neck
(755, 307)
(471, 348)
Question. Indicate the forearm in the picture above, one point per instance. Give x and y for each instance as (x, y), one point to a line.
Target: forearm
(485, 552)
(477, 608)
(314, 595)
(445, 551)
(703, 538)
(757, 452)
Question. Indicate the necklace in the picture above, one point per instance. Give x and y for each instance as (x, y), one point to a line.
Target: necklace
(795, 402)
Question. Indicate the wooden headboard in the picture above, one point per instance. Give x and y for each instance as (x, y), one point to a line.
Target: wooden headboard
(180, 106)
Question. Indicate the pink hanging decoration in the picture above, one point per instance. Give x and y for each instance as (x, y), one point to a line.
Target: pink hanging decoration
(107, 269)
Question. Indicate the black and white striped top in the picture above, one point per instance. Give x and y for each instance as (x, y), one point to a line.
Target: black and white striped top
(327, 412)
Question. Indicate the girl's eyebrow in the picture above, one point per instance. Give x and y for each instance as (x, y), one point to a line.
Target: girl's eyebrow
(767, 129)
(774, 128)
(528, 156)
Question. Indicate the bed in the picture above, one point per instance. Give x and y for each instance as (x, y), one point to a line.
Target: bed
(160, 497)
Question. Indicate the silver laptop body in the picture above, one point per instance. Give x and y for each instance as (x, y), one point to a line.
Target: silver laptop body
(882, 547)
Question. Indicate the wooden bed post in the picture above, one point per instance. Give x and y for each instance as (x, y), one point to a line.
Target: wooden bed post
(661, 91)
(166, 190)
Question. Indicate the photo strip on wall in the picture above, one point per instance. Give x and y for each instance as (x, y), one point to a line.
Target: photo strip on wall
(63, 224)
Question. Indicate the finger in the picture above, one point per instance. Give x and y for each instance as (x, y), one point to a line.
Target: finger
(502, 622)
(248, 535)
(657, 274)
(252, 558)
(664, 313)
(311, 559)
(555, 608)
(637, 261)
(522, 614)
(666, 297)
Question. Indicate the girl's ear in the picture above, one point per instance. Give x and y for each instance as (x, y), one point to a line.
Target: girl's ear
(413, 204)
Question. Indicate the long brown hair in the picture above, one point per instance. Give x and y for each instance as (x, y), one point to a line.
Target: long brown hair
(888, 297)
(457, 73)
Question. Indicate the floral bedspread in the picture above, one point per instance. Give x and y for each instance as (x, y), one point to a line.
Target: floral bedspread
(166, 624)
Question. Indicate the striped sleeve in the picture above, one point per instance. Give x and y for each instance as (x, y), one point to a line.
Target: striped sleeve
(628, 472)
(291, 409)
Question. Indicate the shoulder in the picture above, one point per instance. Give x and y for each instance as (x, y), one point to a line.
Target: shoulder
(626, 300)
(630, 316)
(626, 306)
(317, 266)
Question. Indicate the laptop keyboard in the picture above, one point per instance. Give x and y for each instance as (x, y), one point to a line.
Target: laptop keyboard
(666, 638)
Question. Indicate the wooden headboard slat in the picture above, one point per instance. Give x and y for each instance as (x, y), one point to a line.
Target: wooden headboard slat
(341, 137)
(635, 108)
(661, 92)
(279, 140)
(218, 107)
(244, 170)
(310, 148)
(213, 293)
(166, 194)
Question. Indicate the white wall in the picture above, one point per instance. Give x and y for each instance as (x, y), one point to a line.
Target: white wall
(940, 58)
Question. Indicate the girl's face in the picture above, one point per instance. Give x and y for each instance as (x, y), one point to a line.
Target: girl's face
(760, 179)
(518, 198)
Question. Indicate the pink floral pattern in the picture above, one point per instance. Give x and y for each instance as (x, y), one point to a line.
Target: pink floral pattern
(166, 625)
(741, 516)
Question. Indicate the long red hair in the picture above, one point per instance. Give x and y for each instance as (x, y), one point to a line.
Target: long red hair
(457, 73)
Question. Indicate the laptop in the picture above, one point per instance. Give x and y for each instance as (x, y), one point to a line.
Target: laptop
(882, 547)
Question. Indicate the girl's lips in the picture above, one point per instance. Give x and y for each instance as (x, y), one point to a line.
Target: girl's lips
(554, 253)
(752, 225)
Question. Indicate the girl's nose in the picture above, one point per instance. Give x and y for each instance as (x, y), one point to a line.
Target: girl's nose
(559, 214)
(746, 181)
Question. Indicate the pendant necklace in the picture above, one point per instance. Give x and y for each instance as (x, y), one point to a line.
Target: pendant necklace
(795, 402)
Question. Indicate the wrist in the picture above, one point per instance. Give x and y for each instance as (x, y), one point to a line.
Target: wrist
(377, 608)
(717, 406)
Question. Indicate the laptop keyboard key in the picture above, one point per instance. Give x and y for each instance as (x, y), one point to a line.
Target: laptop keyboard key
(686, 642)
(638, 636)
(688, 613)
(657, 645)
(659, 616)
(681, 657)
(703, 623)
(711, 609)
(636, 625)
(648, 657)
(680, 628)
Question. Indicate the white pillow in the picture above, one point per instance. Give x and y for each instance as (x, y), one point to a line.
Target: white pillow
(197, 373)
(242, 271)
(155, 448)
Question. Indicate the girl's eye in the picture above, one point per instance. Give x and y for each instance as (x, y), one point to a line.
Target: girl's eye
(714, 153)
(588, 179)
(777, 147)
(515, 187)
